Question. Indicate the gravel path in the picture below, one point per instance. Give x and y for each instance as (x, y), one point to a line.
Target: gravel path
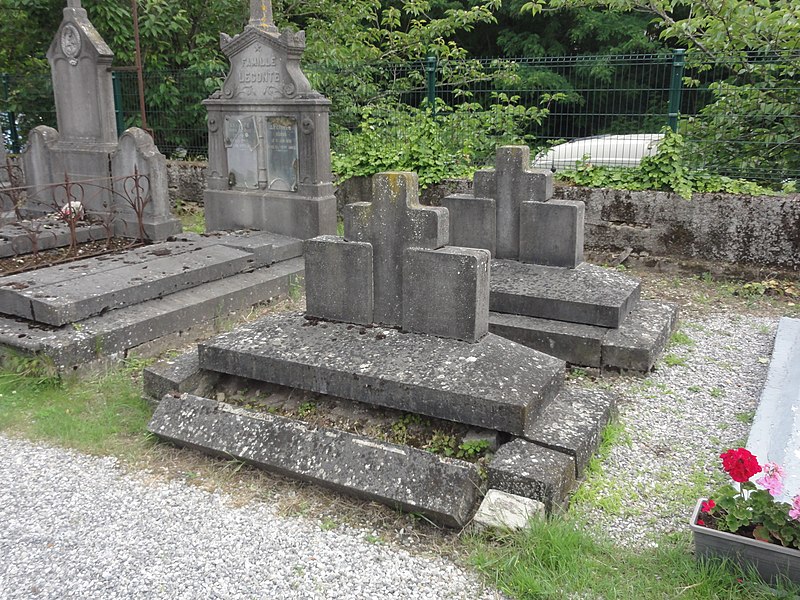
(77, 527)
(697, 403)
(73, 526)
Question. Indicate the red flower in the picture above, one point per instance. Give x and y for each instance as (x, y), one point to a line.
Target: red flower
(740, 464)
(707, 506)
(701, 522)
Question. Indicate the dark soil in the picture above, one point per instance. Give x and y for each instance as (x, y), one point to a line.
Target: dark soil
(55, 256)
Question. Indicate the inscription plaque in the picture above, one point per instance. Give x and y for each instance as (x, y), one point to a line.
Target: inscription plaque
(241, 142)
(282, 164)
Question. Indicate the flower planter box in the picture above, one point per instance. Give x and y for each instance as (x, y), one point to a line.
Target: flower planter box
(772, 561)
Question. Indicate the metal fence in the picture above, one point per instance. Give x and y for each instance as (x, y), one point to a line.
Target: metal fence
(739, 114)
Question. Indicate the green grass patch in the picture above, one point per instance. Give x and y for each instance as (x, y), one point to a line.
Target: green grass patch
(191, 216)
(558, 558)
(102, 415)
(679, 338)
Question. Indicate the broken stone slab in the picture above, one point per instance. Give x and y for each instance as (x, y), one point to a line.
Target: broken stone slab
(532, 471)
(573, 423)
(637, 345)
(634, 346)
(178, 375)
(501, 510)
(64, 302)
(586, 294)
(445, 490)
(73, 346)
(494, 384)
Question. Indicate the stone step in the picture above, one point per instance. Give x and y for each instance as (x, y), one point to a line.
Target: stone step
(445, 490)
(494, 383)
(586, 294)
(775, 435)
(633, 346)
(15, 240)
(93, 294)
(174, 319)
(52, 296)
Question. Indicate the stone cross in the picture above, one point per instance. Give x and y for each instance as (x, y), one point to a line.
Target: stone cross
(510, 184)
(74, 4)
(393, 222)
(261, 14)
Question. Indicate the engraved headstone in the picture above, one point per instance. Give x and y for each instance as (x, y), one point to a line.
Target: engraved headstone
(269, 144)
(84, 146)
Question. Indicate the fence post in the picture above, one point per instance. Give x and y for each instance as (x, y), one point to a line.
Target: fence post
(118, 111)
(430, 71)
(13, 134)
(676, 87)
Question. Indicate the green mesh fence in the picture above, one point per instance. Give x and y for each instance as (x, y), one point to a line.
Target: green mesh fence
(739, 114)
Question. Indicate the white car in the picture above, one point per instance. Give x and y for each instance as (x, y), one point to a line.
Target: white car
(601, 150)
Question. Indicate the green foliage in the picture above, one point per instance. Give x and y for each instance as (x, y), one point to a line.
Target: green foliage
(667, 171)
(753, 511)
(398, 137)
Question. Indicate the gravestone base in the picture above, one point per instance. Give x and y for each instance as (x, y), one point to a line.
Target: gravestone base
(633, 346)
(559, 441)
(288, 214)
(172, 292)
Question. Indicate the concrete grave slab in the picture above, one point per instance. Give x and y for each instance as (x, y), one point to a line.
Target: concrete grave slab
(775, 435)
(445, 490)
(552, 233)
(15, 240)
(495, 383)
(178, 375)
(532, 471)
(64, 302)
(118, 331)
(586, 294)
(634, 346)
(473, 221)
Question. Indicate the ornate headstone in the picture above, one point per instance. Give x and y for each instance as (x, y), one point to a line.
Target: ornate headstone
(84, 148)
(269, 145)
(393, 267)
(511, 214)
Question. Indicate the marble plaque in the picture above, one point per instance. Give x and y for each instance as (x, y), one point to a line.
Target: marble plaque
(282, 164)
(241, 142)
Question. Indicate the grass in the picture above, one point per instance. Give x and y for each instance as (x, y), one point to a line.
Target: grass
(104, 415)
(191, 216)
(558, 558)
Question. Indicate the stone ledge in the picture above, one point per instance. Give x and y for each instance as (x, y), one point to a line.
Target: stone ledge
(444, 489)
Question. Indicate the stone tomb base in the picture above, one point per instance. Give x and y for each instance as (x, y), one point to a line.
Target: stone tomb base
(542, 464)
(589, 316)
(144, 300)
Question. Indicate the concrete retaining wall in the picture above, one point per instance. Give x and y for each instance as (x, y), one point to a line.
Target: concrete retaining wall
(761, 231)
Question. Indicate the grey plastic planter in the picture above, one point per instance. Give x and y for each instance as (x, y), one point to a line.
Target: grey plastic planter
(770, 560)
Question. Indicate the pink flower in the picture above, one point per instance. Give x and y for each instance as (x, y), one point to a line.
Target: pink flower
(794, 513)
(707, 506)
(773, 479)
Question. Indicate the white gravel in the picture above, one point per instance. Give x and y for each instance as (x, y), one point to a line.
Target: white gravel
(73, 526)
(676, 423)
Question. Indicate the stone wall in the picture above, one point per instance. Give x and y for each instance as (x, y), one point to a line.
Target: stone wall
(762, 231)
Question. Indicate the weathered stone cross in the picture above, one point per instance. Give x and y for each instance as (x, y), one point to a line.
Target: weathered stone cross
(393, 222)
(261, 14)
(510, 184)
(74, 4)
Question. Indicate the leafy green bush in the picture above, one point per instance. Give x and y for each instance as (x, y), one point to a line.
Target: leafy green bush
(666, 171)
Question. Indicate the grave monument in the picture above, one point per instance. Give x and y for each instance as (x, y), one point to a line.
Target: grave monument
(268, 137)
(84, 148)
(542, 292)
(396, 319)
